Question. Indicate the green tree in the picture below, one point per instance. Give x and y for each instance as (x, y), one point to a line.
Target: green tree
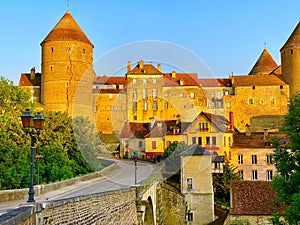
(57, 143)
(13, 153)
(221, 182)
(287, 162)
(172, 155)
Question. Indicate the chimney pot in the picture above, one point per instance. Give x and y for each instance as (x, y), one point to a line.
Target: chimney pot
(159, 67)
(32, 73)
(141, 64)
(128, 66)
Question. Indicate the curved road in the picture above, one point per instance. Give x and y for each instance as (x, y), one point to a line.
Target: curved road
(121, 179)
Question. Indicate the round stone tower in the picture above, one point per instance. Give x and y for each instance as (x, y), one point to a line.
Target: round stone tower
(290, 61)
(67, 58)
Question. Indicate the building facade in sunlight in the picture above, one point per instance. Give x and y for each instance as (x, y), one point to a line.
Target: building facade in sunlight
(189, 109)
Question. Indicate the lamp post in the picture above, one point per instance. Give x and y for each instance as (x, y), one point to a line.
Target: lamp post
(135, 158)
(38, 158)
(29, 122)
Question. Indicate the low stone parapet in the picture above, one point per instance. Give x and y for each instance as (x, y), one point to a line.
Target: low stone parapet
(22, 194)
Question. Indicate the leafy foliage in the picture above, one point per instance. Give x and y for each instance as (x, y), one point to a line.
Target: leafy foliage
(57, 143)
(287, 162)
(172, 155)
(221, 182)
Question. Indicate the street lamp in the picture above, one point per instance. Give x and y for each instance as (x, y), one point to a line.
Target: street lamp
(135, 158)
(29, 122)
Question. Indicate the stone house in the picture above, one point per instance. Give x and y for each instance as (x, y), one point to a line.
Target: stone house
(197, 166)
(251, 154)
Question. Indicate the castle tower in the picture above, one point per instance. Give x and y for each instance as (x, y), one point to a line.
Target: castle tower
(67, 57)
(264, 65)
(290, 61)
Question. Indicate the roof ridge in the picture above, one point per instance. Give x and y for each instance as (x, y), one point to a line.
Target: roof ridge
(67, 29)
(264, 65)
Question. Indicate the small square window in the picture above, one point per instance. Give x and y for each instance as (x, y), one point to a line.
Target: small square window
(190, 216)
(189, 182)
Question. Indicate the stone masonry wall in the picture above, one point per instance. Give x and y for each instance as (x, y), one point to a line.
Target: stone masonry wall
(172, 207)
(113, 208)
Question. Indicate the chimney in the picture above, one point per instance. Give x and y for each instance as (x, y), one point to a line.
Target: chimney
(231, 120)
(141, 64)
(32, 73)
(248, 132)
(128, 66)
(173, 74)
(159, 67)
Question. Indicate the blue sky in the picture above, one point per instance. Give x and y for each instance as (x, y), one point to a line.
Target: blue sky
(227, 35)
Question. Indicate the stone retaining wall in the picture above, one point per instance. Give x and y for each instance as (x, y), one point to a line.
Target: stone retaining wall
(117, 207)
(22, 194)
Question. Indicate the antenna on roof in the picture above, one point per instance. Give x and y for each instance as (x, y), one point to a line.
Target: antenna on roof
(265, 43)
(68, 6)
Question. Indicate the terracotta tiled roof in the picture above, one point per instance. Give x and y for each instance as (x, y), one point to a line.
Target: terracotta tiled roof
(256, 139)
(181, 79)
(252, 198)
(155, 133)
(218, 82)
(134, 130)
(110, 80)
(67, 29)
(256, 80)
(276, 71)
(294, 39)
(146, 69)
(26, 81)
(264, 65)
(108, 91)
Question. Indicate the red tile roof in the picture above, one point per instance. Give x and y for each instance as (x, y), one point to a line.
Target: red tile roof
(181, 79)
(110, 80)
(146, 69)
(256, 139)
(26, 81)
(256, 80)
(65, 30)
(134, 130)
(155, 133)
(294, 39)
(264, 65)
(252, 198)
(218, 82)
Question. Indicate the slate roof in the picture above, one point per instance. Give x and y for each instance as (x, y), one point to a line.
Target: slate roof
(257, 80)
(67, 29)
(26, 81)
(252, 198)
(294, 39)
(264, 65)
(195, 150)
(220, 122)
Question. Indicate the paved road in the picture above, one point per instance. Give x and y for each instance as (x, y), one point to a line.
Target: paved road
(121, 178)
(114, 181)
